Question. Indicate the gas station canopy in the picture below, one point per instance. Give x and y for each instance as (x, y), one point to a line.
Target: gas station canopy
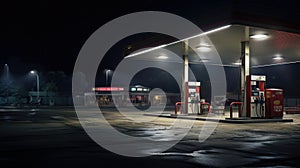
(267, 47)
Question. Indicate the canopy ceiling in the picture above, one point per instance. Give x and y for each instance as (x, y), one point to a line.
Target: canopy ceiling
(226, 44)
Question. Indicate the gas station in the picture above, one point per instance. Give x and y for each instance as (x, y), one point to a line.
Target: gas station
(166, 84)
(240, 46)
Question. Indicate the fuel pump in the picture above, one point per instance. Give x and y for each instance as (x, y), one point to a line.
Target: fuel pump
(193, 97)
(274, 103)
(255, 96)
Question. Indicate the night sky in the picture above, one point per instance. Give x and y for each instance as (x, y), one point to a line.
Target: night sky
(47, 35)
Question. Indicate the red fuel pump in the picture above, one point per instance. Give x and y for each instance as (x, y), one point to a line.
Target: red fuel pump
(274, 103)
(255, 102)
(193, 97)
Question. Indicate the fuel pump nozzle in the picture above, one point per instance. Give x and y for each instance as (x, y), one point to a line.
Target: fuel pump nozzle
(256, 104)
(261, 102)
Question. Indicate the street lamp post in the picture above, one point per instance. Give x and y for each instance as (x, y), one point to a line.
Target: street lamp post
(7, 81)
(37, 84)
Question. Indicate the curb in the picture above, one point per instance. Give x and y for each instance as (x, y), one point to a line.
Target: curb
(226, 120)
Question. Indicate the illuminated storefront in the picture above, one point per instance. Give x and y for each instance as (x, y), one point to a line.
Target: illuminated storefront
(138, 96)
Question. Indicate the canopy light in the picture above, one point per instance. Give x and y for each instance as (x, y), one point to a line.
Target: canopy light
(277, 57)
(204, 60)
(204, 48)
(237, 63)
(162, 57)
(259, 36)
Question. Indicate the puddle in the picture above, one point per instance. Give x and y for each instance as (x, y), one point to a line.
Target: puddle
(158, 133)
(211, 158)
(223, 158)
(271, 157)
(165, 134)
(255, 136)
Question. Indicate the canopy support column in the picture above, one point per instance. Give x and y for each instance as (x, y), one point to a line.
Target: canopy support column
(185, 77)
(245, 69)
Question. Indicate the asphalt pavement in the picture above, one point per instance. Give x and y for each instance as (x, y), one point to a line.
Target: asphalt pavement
(53, 137)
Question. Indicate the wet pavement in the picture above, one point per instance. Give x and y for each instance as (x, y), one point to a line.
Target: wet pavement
(55, 138)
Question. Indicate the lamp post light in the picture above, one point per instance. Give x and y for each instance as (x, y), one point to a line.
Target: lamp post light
(106, 76)
(37, 83)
